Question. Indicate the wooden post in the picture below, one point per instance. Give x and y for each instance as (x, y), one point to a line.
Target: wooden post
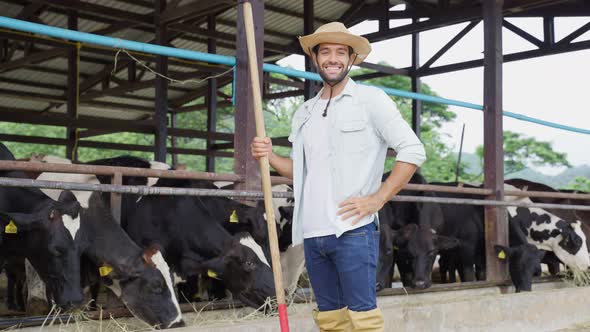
(416, 82)
(496, 223)
(308, 28)
(161, 84)
(72, 102)
(211, 98)
(263, 162)
(245, 125)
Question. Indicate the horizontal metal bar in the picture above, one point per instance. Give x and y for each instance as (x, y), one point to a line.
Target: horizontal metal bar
(110, 170)
(249, 194)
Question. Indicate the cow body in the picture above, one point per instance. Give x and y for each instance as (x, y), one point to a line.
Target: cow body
(44, 234)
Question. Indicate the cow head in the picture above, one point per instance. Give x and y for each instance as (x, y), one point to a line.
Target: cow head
(144, 284)
(422, 244)
(44, 239)
(245, 270)
(524, 262)
(385, 263)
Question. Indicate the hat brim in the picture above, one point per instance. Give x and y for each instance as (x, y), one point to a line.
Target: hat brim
(360, 45)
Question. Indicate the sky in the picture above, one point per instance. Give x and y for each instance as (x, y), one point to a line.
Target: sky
(552, 88)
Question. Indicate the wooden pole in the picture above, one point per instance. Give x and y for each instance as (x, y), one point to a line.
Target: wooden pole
(265, 168)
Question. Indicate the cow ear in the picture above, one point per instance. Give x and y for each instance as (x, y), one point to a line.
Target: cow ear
(446, 242)
(503, 252)
(15, 222)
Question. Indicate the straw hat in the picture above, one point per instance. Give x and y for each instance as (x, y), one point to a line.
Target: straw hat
(336, 33)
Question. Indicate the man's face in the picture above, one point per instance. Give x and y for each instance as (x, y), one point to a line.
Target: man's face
(332, 61)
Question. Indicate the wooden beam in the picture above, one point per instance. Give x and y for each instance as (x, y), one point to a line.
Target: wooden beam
(194, 9)
(96, 9)
(32, 59)
(294, 13)
(245, 129)
(107, 145)
(103, 124)
(450, 44)
(308, 28)
(161, 118)
(523, 34)
(72, 93)
(496, 222)
(211, 99)
(416, 84)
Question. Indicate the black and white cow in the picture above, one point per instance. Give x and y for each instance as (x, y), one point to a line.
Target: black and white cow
(140, 278)
(193, 241)
(549, 232)
(41, 230)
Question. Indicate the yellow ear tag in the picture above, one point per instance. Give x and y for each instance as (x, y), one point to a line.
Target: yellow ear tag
(11, 228)
(105, 270)
(395, 248)
(212, 274)
(502, 254)
(234, 217)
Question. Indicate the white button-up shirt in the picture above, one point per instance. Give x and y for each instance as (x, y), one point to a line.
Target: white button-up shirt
(363, 123)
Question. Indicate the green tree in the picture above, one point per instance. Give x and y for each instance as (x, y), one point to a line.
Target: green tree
(521, 152)
(580, 183)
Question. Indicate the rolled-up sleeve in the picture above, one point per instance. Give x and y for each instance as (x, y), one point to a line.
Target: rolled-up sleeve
(394, 130)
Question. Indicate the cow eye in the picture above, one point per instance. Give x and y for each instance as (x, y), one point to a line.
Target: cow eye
(158, 289)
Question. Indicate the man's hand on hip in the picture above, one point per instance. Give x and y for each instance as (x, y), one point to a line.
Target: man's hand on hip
(360, 207)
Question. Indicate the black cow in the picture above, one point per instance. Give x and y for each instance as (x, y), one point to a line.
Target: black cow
(40, 235)
(140, 278)
(193, 242)
(414, 229)
(524, 259)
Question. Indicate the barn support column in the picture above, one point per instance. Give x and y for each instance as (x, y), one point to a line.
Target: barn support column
(308, 28)
(416, 82)
(244, 164)
(72, 102)
(496, 223)
(173, 141)
(211, 99)
(161, 116)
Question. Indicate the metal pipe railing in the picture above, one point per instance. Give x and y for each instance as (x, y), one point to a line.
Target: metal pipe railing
(250, 194)
(6, 165)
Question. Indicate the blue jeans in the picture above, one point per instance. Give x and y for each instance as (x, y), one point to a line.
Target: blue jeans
(342, 271)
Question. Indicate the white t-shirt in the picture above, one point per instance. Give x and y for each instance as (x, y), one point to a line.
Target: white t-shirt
(318, 209)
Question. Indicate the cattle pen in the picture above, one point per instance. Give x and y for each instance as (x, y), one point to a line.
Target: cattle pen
(85, 66)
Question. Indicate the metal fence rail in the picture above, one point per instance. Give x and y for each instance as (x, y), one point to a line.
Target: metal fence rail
(249, 194)
(6, 165)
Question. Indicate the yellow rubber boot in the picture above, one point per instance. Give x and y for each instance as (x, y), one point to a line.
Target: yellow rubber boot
(333, 320)
(366, 321)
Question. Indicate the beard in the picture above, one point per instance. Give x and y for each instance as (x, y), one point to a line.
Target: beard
(335, 80)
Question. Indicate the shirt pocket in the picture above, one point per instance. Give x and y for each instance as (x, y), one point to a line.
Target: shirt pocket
(353, 136)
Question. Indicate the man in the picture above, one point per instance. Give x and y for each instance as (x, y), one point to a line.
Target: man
(340, 140)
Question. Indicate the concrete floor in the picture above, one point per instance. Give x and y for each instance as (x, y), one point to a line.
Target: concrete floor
(553, 306)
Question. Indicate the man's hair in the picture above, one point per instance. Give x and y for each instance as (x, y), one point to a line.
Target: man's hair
(316, 49)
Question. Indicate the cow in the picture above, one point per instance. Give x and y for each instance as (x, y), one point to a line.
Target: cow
(414, 230)
(41, 230)
(193, 241)
(140, 278)
(549, 232)
(568, 215)
(523, 258)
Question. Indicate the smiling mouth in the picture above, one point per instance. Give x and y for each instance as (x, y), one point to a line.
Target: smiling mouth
(333, 69)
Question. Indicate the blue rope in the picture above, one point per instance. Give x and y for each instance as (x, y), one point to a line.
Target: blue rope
(118, 43)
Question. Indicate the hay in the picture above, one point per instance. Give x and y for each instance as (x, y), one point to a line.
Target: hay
(576, 278)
